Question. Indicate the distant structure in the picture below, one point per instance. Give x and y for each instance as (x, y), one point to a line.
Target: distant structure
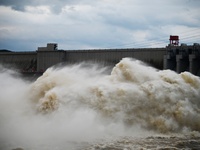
(178, 58)
(49, 47)
(174, 40)
(182, 58)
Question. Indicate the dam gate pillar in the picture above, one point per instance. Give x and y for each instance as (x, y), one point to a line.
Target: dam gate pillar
(194, 59)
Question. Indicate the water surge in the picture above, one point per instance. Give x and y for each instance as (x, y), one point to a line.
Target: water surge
(84, 102)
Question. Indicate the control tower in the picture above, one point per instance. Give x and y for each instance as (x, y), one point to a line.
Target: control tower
(174, 40)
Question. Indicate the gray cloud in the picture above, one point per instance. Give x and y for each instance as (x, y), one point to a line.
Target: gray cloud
(95, 24)
(19, 5)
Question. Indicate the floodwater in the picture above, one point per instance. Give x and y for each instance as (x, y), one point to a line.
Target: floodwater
(86, 106)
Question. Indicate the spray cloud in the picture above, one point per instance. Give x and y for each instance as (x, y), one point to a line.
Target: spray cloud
(83, 102)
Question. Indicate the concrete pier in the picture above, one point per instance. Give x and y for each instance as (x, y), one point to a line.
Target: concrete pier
(194, 59)
(183, 58)
(170, 58)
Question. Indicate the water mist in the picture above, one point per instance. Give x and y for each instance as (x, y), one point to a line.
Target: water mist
(73, 105)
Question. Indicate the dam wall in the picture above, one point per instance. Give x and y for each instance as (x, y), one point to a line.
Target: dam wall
(178, 58)
(48, 56)
(23, 61)
(153, 57)
(46, 59)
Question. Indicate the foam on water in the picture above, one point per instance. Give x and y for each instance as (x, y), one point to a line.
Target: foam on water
(85, 102)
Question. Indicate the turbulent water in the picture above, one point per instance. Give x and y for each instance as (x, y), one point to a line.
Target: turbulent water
(86, 106)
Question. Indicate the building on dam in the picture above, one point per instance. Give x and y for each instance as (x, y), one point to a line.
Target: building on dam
(182, 58)
(178, 58)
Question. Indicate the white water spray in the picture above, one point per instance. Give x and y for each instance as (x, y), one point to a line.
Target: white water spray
(81, 103)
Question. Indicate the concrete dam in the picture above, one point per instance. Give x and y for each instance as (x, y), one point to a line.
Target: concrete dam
(178, 58)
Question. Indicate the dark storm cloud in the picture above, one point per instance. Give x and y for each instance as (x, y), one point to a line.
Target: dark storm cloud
(16, 4)
(19, 5)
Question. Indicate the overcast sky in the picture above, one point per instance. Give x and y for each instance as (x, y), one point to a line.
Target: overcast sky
(90, 24)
